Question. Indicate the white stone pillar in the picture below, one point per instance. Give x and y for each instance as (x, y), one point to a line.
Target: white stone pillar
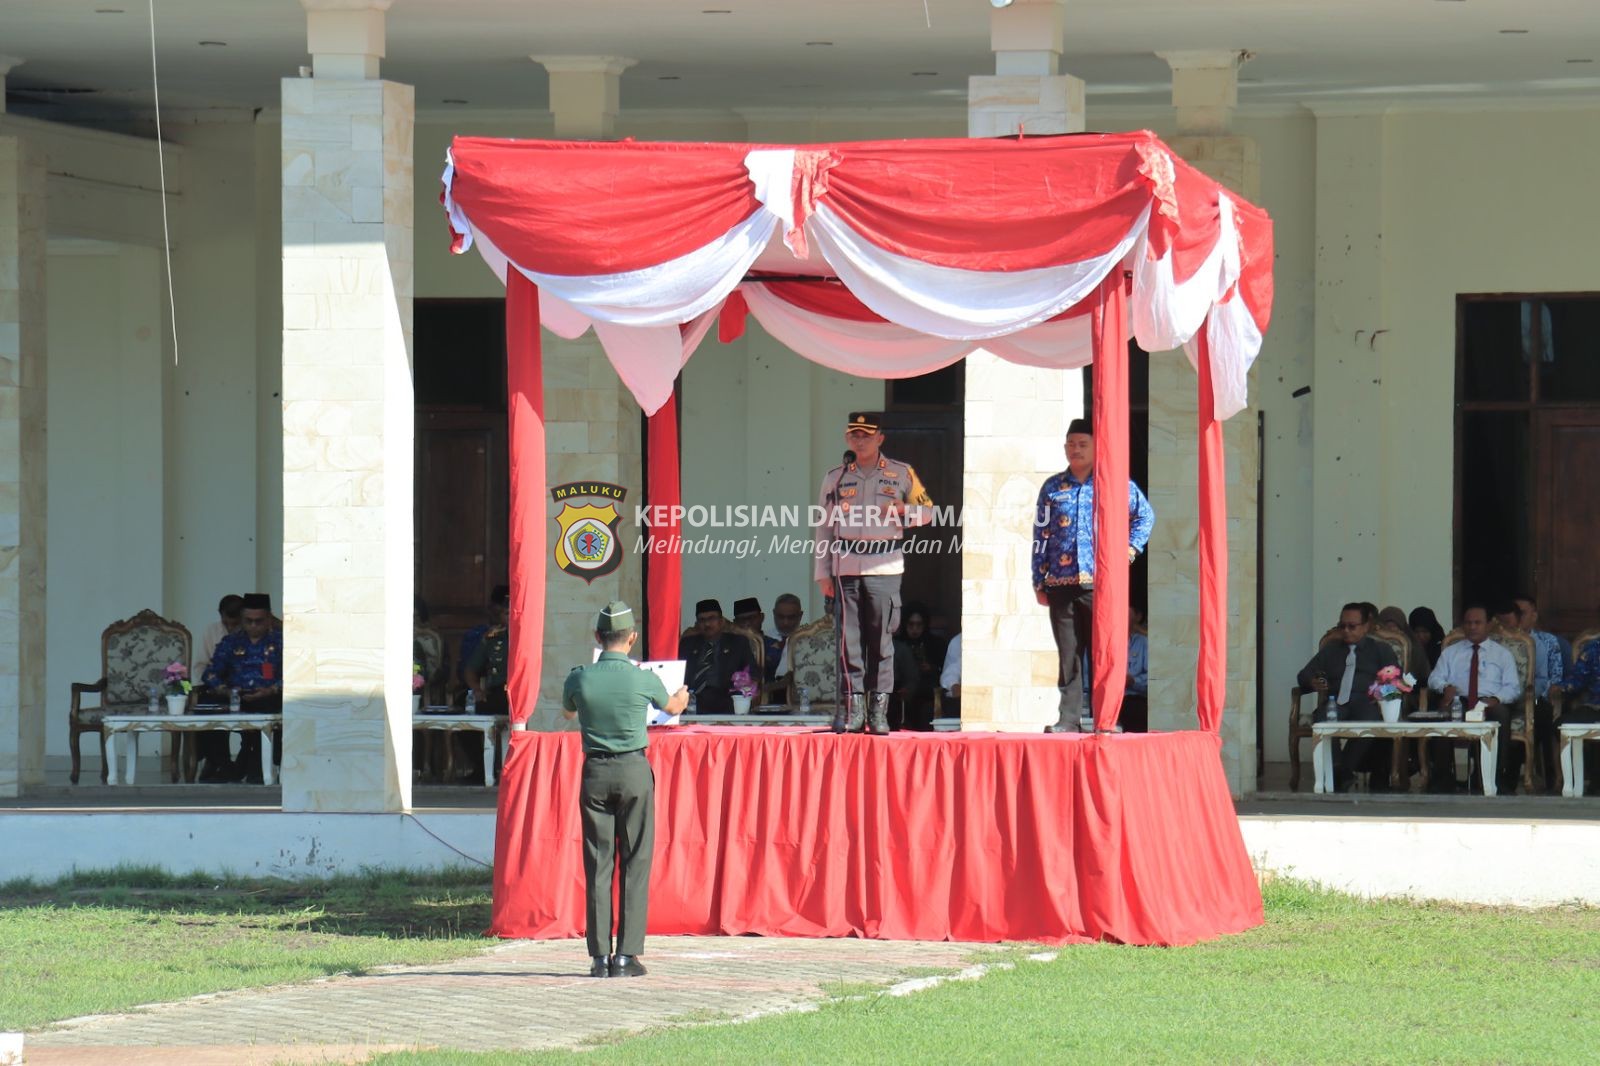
(348, 418)
(1015, 421)
(585, 94)
(22, 464)
(7, 64)
(1204, 92)
(592, 424)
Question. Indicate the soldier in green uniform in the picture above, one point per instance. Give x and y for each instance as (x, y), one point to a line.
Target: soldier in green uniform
(611, 700)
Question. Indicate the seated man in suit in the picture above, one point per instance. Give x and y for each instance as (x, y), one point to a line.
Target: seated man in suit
(1345, 669)
(712, 655)
(250, 660)
(1477, 669)
(748, 613)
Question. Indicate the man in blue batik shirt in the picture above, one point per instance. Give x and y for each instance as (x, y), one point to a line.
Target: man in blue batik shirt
(1063, 559)
(249, 659)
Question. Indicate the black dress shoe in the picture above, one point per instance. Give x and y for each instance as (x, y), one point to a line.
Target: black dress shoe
(627, 966)
(599, 966)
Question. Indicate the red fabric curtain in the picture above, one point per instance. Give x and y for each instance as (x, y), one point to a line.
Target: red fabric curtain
(1109, 642)
(914, 836)
(665, 591)
(1211, 671)
(525, 425)
(563, 207)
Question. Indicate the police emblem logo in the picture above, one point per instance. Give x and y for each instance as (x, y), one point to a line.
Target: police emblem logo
(587, 544)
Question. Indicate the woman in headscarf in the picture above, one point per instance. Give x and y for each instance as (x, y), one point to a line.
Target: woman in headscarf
(1426, 628)
(1417, 663)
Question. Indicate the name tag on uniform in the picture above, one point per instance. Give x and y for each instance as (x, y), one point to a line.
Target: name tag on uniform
(269, 671)
(847, 492)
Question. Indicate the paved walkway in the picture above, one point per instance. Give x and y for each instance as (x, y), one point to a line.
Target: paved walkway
(519, 995)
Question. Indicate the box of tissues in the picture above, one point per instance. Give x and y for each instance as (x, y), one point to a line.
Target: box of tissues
(1476, 713)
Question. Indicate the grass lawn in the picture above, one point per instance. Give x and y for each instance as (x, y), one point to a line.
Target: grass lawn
(99, 943)
(1328, 979)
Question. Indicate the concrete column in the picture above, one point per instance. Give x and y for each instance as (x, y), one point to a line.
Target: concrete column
(348, 418)
(1016, 419)
(345, 38)
(7, 64)
(593, 429)
(1346, 390)
(22, 464)
(585, 94)
(1204, 93)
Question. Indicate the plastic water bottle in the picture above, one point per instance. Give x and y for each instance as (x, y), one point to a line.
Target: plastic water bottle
(233, 701)
(805, 700)
(472, 701)
(155, 699)
(1333, 710)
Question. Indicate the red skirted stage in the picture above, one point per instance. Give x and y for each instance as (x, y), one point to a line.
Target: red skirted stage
(926, 836)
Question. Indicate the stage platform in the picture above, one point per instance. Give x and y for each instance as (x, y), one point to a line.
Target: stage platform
(913, 836)
(1509, 850)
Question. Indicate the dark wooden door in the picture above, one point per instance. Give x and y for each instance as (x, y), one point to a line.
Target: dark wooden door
(462, 498)
(1566, 516)
(931, 441)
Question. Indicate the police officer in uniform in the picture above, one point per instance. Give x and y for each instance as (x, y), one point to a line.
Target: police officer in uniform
(867, 504)
(611, 700)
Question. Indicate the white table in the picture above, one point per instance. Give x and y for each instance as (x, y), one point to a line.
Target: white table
(115, 726)
(1487, 734)
(487, 724)
(755, 719)
(1573, 735)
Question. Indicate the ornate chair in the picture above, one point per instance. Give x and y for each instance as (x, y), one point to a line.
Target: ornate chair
(1520, 645)
(814, 664)
(1299, 721)
(1558, 696)
(758, 650)
(133, 655)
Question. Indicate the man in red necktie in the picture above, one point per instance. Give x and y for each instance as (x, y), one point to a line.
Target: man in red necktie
(1479, 670)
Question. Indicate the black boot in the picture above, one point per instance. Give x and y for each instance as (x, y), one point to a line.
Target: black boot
(838, 723)
(855, 719)
(878, 714)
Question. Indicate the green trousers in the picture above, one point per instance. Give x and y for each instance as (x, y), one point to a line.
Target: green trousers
(618, 805)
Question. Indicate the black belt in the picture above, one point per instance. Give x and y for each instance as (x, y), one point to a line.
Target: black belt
(611, 754)
(870, 547)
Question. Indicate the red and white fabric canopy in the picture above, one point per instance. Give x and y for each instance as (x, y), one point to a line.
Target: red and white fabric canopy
(937, 248)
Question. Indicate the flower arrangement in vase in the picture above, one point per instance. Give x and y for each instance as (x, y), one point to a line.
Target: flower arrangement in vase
(742, 687)
(1388, 688)
(175, 686)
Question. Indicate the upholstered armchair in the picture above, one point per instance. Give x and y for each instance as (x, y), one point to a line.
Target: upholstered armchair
(1520, 645)
(1300, 719)
(133, 655)
(814, 664)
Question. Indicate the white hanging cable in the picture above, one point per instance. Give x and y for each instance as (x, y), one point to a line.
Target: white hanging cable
(161, 162)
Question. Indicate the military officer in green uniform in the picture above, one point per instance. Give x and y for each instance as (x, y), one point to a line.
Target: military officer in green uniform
(611, 700)
(867, 505)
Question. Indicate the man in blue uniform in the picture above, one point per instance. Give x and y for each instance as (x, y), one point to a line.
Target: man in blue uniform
(250, 660)
(1063, 560)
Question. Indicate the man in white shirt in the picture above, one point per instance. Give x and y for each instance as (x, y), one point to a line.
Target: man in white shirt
(1477, 670)
(230, 612)
(950, 678)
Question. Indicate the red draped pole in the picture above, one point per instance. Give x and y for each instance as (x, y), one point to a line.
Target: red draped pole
(1211, 669)
(525, 425)
(1109, 641)
(664, 593)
